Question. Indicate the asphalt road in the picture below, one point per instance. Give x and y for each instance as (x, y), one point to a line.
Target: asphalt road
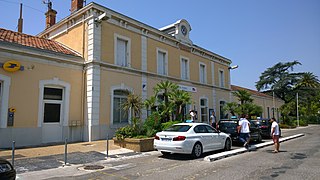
(298, 159)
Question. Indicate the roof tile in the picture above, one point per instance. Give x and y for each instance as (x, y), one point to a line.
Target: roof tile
(33, 41)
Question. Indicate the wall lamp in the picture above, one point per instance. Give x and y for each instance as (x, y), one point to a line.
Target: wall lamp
(233, 67)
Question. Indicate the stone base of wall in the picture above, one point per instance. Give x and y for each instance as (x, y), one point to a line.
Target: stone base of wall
(137, 145)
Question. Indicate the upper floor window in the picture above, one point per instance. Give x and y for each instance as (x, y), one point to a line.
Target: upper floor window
(221, 78)
(202, 73)
(162, 62)
(122, 51)
(184, 62)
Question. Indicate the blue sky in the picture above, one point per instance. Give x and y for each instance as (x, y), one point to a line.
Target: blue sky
(254, 34)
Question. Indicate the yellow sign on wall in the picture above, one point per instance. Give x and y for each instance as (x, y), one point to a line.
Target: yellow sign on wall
(11, 66)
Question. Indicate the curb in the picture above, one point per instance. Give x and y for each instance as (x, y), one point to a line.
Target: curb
(225, 154)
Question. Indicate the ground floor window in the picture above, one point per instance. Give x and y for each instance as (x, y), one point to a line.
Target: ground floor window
(119, 115)
(52, 100)
(204, 110)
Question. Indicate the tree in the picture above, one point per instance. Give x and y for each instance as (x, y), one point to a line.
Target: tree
(134, 104)
(243, 96)
(246, 105)
(180, 99)
(308, 88)
(165, 88)
(280, 80)
(231, 107)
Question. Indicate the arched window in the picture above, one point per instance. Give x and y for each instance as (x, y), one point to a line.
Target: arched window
(119, 115)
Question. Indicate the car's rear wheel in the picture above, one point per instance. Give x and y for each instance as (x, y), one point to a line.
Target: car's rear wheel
(165, 153)
(227, 145)
(197, 150)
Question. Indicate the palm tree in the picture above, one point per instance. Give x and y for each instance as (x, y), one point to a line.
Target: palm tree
(243, 96)
(308, 86)
(134, 104)
(180, 98)
(165, 88)
(309, 81)
(231, 107)
(151, 103)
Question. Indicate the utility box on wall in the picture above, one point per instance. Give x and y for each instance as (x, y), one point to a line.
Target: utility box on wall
(10, 116)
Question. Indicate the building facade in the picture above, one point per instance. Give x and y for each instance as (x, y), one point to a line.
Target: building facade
(121, 53)
(73, 86)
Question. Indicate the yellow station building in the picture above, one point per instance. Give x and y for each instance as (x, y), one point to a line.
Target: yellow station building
(69, 80)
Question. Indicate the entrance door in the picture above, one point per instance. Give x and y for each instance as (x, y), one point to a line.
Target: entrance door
(52, 115)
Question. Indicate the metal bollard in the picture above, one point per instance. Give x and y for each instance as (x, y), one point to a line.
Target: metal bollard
(107, 145)
(13, 149)
(65, 151)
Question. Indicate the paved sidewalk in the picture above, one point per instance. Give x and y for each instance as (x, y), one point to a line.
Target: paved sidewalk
(31, 152)
(31, 159)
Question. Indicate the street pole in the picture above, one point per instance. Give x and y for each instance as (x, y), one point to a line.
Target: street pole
(273, 104)
(298, 109)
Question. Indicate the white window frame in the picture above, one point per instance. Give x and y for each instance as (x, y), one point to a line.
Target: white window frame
(165, 63)
(204, 80)
(205, 106)
(187, 70)
(113, 88)
(5, 90)
(50, 101)
(128, 53)
(55, 83)
(222, 78)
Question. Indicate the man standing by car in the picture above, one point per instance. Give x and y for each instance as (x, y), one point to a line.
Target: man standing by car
(275, 133)
(244, 130)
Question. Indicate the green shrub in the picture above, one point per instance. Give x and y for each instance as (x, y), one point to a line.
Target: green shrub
(152, 125)
(125, 132)
(168, 124)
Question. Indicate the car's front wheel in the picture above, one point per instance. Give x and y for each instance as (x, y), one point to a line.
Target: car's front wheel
(197, 150)
(227, 145)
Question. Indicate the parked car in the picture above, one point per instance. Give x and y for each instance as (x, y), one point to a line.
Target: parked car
(191, 138)
(6, 170)
(230, 127)
(265, 127)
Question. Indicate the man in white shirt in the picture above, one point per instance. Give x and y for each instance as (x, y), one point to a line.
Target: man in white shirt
(244, 130)
(275, 133)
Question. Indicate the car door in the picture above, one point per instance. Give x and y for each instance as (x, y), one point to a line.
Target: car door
(216, 141)
(254, 131)
(205, 137)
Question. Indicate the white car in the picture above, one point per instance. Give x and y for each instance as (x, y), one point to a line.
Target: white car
(191, 138)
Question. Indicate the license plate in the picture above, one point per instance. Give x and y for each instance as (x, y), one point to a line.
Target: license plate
(166, 139)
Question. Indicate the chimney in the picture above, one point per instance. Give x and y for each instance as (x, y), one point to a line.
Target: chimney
(76, 5)
(20, 20)
(50, 16)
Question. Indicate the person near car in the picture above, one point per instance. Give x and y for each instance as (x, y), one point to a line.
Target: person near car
(275, 133)
(244, 130)
(193, 115)
(213, 120)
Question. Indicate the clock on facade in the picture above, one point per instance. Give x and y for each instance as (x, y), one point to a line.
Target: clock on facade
(184, 30)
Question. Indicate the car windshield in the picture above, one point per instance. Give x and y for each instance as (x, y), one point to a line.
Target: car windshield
(178, 128)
